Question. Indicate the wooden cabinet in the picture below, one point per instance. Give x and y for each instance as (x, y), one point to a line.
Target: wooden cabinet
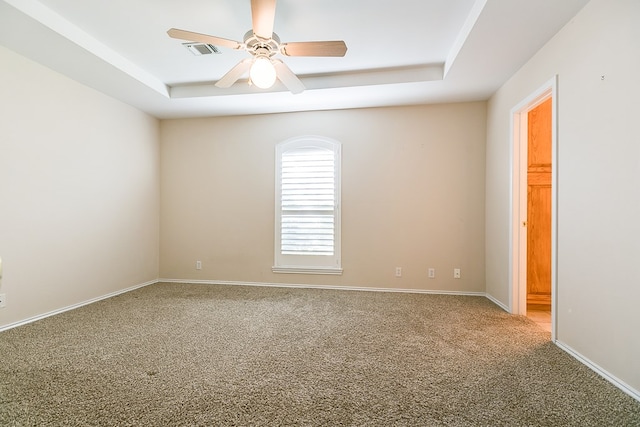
(539, 205)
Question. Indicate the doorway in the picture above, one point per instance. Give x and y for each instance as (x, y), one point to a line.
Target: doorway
(534, 202)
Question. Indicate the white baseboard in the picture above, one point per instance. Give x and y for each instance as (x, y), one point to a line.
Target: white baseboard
(343, 288)
(74, 306)
(600, 371)
(498, 303)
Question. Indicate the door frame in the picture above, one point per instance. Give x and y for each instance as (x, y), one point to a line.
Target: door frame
(518, 232)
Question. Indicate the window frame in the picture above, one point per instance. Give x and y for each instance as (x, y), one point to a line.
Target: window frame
(308, 264)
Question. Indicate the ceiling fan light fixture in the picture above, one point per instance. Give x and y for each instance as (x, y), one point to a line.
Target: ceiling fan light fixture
(262, 44)
(262, 72)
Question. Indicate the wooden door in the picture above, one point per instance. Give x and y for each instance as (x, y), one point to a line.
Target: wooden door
(539, 205)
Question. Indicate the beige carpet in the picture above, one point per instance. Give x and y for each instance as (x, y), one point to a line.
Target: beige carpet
(203, 355)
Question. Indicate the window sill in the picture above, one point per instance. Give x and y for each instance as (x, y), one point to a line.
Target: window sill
(307, 270)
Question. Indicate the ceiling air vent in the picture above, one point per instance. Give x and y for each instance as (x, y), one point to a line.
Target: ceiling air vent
(201, 48)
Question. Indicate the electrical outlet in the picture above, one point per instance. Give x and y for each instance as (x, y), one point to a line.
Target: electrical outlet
(432, 273)
(3, 300)
(398, 271)
(456, 273)
(198, 265)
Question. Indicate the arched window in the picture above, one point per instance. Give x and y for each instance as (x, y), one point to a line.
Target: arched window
(307, 237)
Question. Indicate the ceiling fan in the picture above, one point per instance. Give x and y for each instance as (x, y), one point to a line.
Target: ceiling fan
(263, 44)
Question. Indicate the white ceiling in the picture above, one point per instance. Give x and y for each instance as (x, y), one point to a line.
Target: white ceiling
(399, 52)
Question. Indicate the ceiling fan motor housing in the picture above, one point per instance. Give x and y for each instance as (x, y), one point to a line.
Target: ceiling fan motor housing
(258, 46)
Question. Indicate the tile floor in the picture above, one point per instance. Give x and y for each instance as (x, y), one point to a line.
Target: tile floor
(541, 314)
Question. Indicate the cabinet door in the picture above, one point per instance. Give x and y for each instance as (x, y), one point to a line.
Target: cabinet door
(539, 205)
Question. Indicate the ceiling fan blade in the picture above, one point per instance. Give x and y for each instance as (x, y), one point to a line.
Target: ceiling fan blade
(325, 48)
(287, 77)
(234, 74)
(263, 13)
(202, 38)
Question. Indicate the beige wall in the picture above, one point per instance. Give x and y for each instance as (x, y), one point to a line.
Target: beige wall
(412, 196)
(598, 277)
(79, 192)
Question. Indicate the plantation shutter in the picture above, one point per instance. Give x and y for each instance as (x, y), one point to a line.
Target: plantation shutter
(307, 227)
(308, 202)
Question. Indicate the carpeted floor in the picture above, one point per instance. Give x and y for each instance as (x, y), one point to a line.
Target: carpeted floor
(204, 355)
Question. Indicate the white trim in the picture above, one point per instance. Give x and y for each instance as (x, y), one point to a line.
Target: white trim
(307, 270)
(328, 287)
(34, 9)
(463, 35)
(309, 264)
(518, 205)
(498, 303)
(74, 306)
(600, 371)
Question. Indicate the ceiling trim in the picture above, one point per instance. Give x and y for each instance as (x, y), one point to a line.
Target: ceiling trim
(382, 76)
(468, 25)
(50, 19)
